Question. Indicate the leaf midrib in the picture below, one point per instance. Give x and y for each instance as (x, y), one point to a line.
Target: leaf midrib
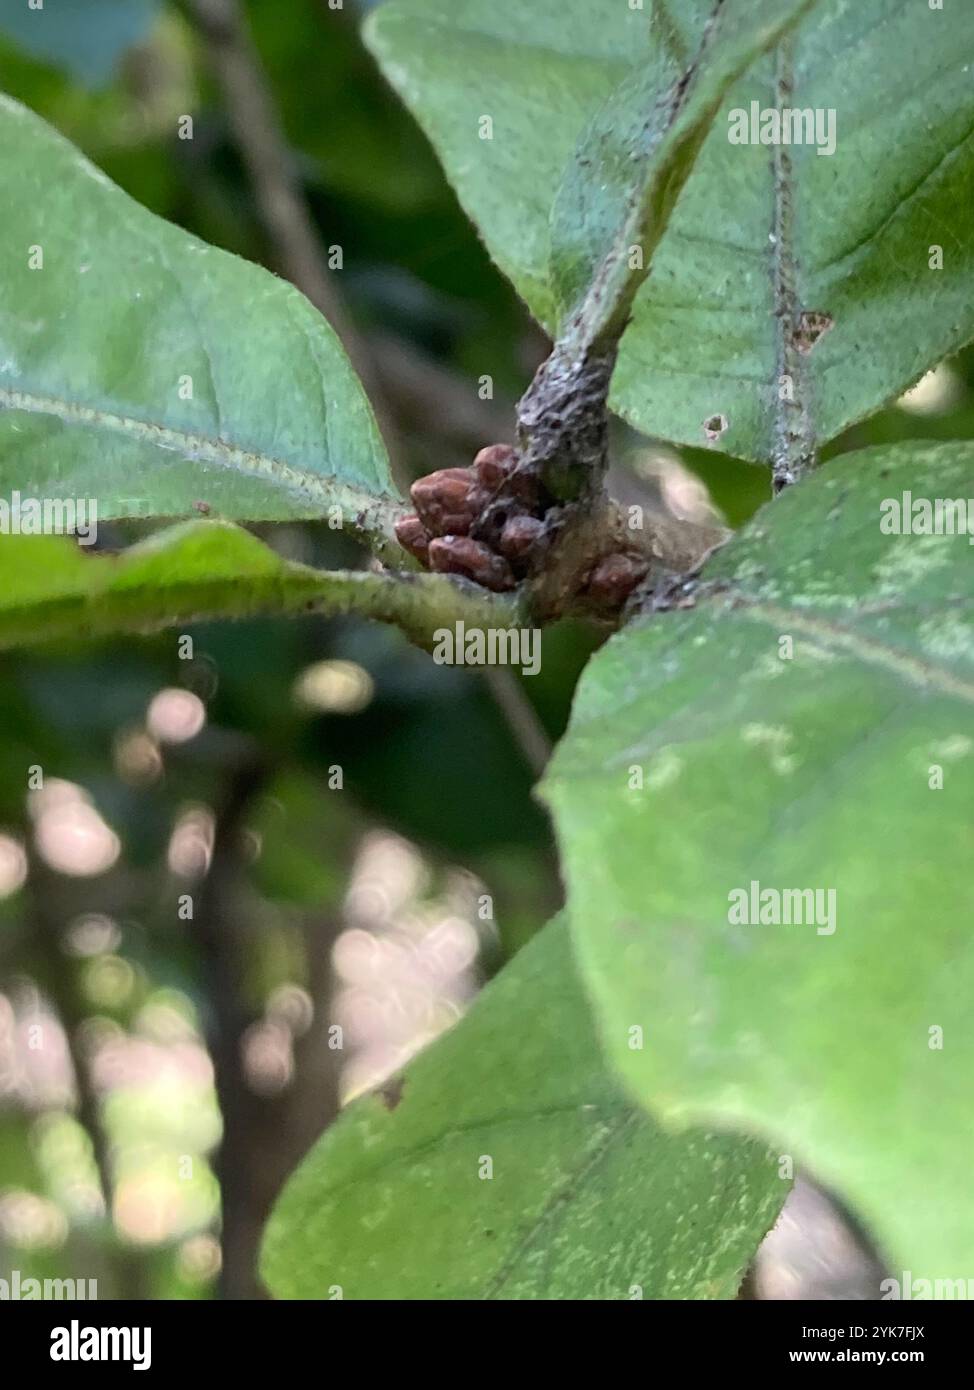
(377, 508)
(912, 669)
(426, 1146)
(624, 1121)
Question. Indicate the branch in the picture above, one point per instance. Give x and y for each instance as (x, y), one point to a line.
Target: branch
(629, 171)
(538, 517)
(562, 418)
(63, 989)
(220, 932)
(521, 717)
(264, 1137)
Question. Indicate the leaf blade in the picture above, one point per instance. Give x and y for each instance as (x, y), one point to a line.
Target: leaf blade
(803, 774)
(129, 372)
(586, 1200)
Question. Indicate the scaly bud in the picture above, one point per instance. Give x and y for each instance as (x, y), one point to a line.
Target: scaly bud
(413, 536)
(461, 555)
(520, 537)
(614, 578)
(495, 464)
(447, 501)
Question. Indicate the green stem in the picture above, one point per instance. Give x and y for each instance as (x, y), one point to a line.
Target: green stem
(417, 603)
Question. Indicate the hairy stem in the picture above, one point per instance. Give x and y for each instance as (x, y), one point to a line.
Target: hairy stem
(417, 603)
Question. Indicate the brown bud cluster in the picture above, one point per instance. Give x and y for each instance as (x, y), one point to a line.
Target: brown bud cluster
(495, 464)
(413, 536)
(446, 502)
(472, 559)
(482, 522)
(521, 537)
(614, 578)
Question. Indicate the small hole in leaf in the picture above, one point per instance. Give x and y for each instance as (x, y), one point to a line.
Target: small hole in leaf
(715, 426)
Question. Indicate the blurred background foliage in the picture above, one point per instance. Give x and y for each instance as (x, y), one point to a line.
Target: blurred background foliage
(349, 825)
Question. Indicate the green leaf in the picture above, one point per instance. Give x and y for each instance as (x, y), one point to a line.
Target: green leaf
(762, 239)
(815, 770)
(587, 1197)
(539, 72)
(50, 590)
(86, 37)
(100, 348)
(630, 167)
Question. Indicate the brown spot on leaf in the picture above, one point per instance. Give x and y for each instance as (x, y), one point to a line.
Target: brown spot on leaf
(812, 325)
(391, 1092)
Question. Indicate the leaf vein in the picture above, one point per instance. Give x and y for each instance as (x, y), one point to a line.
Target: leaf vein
(371, 512)
(914, 669)
(556, 1202)
(793, 447)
